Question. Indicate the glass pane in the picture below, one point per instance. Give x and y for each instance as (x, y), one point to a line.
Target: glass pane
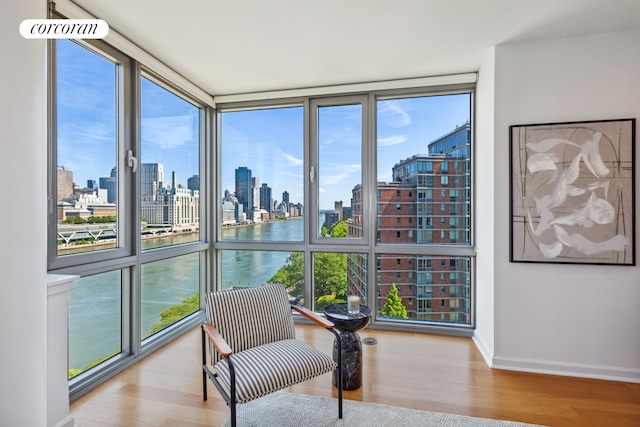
(332, 271)
(86, 150)
(169, 170)
(95, 320)
(424, 175)
(340, 168)
(245, 269)
(170, 291)
(429, 288)
(262, 174)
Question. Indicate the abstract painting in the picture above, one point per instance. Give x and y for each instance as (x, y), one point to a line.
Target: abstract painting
(573, 192)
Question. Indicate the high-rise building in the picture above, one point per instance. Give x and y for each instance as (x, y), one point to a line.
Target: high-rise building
(285, 198)
(165, 204)
(244, 191)
(109, 184)
(266, 202)
(193, 183)
(428, 202)
(338, 209)
(151, 178)
(255, 190)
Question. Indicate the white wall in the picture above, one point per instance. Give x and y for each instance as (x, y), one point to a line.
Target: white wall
(581, 320)
(484, 146)
(23, 293)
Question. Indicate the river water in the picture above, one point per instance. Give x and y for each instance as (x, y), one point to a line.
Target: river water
(96, 302)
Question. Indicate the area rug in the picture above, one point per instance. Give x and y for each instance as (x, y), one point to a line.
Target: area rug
(296, 410)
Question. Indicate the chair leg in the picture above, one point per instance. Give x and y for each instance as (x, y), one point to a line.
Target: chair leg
(232, 406)
(204, 363)
(339, 378)
(339, 368)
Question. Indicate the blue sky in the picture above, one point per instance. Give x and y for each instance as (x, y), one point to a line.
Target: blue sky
(87, 120)
(269, 141)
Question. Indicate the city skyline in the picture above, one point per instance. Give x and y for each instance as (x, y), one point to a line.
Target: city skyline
(270, 142)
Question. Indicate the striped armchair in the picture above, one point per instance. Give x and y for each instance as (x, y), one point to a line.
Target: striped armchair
(253, 347)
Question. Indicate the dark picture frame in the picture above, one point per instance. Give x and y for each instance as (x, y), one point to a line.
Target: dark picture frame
(572, 192)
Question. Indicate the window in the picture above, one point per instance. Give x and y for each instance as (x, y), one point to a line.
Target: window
(169, 168)
(95, 320)
(87, 145)
(141, 271)
(335, 169)
(261, 174)
(407, 119)
(170, 287)
(337, 134)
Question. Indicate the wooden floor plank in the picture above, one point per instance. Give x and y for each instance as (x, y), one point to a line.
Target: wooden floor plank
(418, 371)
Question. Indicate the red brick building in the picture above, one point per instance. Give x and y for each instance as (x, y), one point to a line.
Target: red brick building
(428, 203)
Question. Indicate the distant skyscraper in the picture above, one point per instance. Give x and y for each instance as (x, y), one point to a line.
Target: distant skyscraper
(244, 191)
(91, 183)
(109, 184)
(193, 183)
(265, 198)
(255, 189)
(285, 198)
(151, 179)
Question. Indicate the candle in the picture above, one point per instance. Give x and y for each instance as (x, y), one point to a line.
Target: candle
(353, 304)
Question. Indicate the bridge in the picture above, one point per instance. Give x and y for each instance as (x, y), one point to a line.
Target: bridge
(70, 233)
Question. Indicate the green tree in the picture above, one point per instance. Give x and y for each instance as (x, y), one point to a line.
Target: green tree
(330, 277)
(339, 229)
(291, 275)
(176, 312)
(393, 306)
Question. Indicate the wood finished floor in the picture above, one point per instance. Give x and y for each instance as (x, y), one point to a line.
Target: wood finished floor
(418, 371)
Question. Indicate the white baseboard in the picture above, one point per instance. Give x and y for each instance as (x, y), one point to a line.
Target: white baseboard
(486, 353)
(611, 373)
(67, 421)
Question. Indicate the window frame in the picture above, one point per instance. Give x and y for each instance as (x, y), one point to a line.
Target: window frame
(370, 207)
(125, 130)
(128, 256)
(312, 169)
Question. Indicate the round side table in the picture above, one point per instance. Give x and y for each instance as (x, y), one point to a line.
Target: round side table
(348, 325)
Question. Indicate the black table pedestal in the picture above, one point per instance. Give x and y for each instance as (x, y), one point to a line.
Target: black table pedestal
(351, 360)
(348, 324)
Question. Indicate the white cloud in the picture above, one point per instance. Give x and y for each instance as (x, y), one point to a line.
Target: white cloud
(391, 140)
(168, 132)
(292, 161)
(393, 114)
(334, 179)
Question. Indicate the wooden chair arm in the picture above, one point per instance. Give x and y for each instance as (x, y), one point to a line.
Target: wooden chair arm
(313, 316)
(219, 343)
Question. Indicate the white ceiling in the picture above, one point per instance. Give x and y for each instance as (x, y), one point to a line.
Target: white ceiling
(240, 46)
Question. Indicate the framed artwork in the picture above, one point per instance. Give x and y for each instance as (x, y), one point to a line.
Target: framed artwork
(573, 192)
